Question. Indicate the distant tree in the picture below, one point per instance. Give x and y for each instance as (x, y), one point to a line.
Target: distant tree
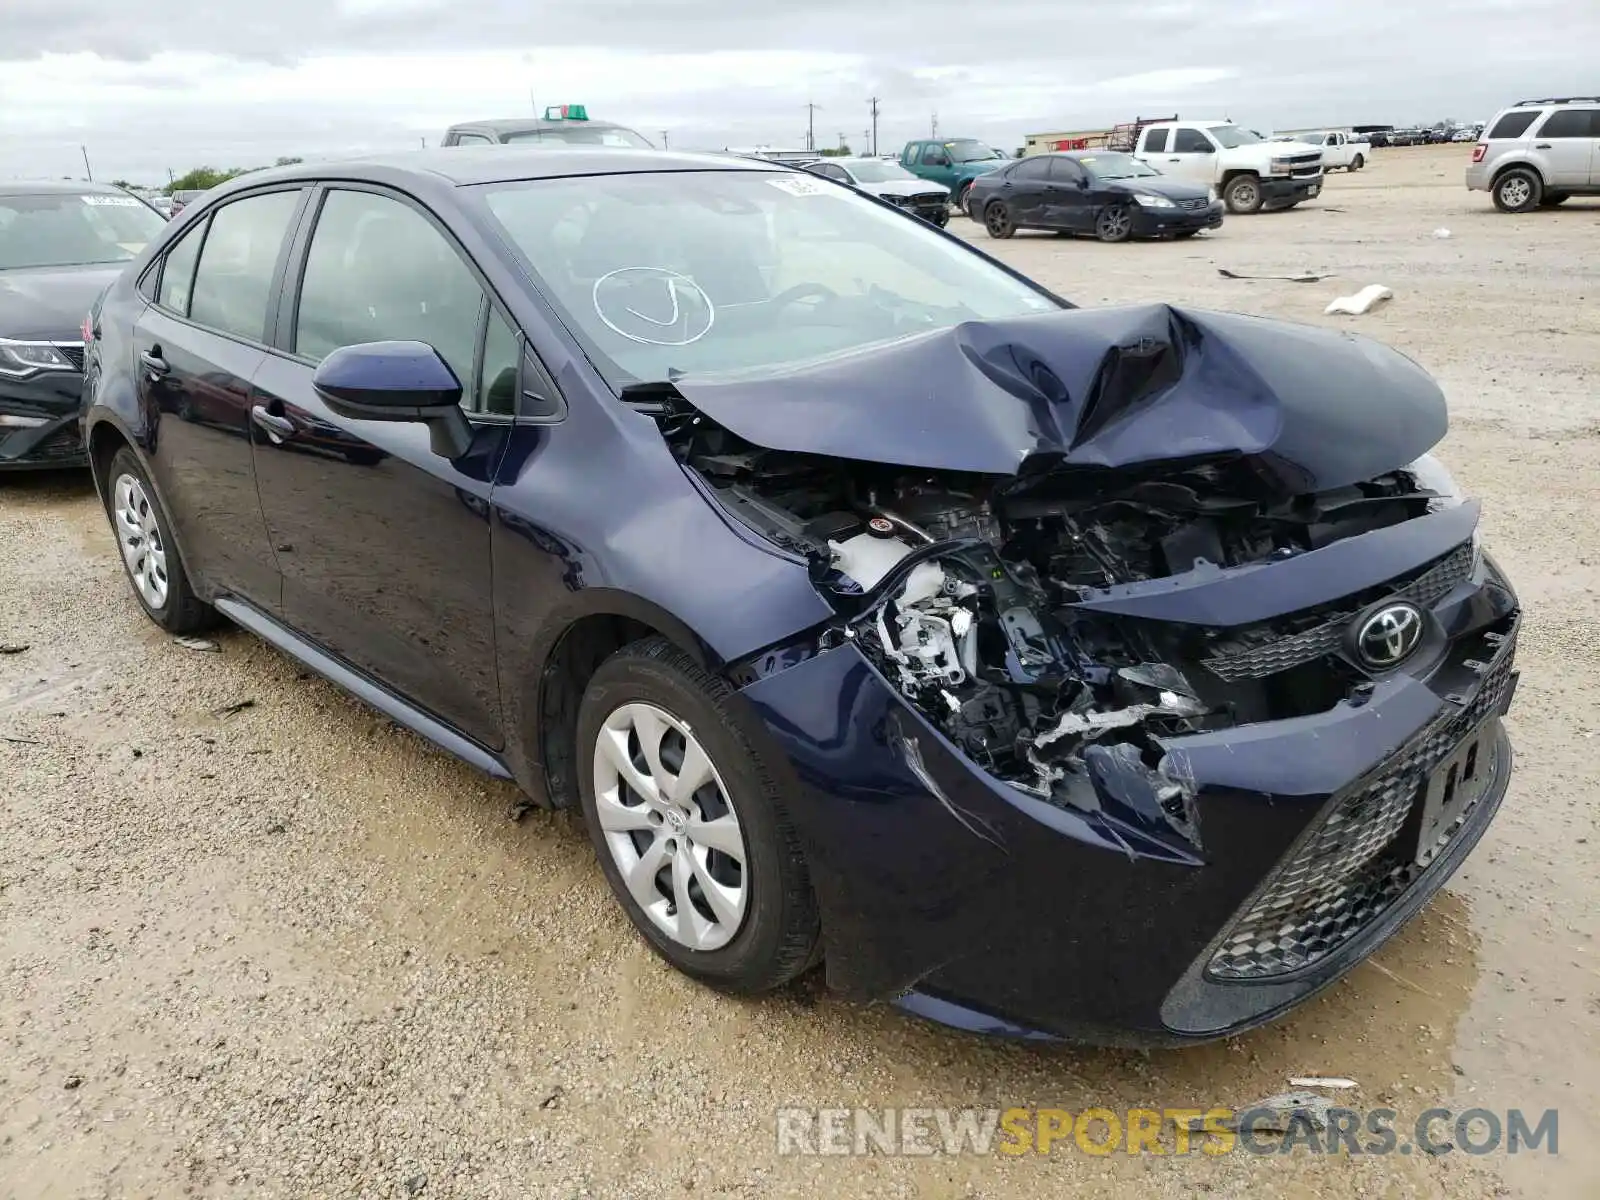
(840, 151)
(288, 162)
(201, 178)
(123, 184)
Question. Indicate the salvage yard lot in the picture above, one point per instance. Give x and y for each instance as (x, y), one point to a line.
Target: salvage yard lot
(289, 949)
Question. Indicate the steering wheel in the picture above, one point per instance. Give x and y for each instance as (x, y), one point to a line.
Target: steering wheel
(803, 291)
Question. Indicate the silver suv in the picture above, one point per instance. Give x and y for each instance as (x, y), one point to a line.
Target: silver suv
(1539, 152)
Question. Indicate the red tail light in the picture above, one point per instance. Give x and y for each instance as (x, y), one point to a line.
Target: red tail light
(1477, 152)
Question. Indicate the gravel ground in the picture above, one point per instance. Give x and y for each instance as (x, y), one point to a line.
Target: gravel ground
(292, 950)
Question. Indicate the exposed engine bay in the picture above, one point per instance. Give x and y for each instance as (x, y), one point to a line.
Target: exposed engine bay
(961, 589)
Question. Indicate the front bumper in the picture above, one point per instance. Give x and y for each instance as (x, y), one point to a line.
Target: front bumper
(1156, 222)
(1277, 191)
(966, 900)
(54, 397)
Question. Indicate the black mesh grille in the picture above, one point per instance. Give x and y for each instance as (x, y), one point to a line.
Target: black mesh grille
(73, 354)
(1354, 865)
(66, 444)
(1282, 652)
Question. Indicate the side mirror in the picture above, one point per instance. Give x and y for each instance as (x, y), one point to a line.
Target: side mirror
(397, 381)
(1083, 182)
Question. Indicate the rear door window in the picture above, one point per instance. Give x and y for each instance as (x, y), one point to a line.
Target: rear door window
(1570, 123)
(1155, 141)
(233, 282)
(1191, 141)
(177, 272)
(1514, 124)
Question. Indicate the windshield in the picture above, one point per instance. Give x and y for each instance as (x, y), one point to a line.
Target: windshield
(713, 271)
(1229, 136)
(65, 229)
(1115, 166)
(580, 135)
(971, 150)
(878, 172)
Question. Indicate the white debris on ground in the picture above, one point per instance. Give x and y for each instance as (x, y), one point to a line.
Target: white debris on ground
(1361, 302)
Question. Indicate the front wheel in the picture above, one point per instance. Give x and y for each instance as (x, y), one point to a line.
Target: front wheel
(997, 220)
(961, 195)
(1243, 194)
(1113, 225)
(688, 823)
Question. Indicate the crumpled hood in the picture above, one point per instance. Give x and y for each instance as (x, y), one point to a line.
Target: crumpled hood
(1108, 387)
(49, 303)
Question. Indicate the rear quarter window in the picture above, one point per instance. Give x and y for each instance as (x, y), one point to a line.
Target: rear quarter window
(1514, 124)
(1570, 123)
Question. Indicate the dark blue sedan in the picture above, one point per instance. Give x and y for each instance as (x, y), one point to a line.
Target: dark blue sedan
(1123, 674)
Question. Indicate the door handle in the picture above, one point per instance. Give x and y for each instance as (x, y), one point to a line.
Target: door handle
(154, 363)
(279, 429)
(1172, 160)
(1541, 145)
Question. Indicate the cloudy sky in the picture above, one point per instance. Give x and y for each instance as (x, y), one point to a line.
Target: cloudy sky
(152, 85)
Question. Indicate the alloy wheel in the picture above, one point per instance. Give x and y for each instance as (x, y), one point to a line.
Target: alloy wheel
(1516, 192)
(670, 826)
(139, 535)
(1113, 225)
(997, 221)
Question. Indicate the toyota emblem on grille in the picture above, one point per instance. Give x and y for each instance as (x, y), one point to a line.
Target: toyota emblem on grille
(1385, 636)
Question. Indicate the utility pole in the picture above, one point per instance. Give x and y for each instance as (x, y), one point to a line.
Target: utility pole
(811, 126)
(874, 103)
(86, 167)
(933, 127)
(664, 144)
(841, 140)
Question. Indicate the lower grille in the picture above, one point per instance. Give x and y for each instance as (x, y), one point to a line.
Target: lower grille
(1194, 205)
(1355, 864)
(66, 444)
(1274, 653)
(72, 352)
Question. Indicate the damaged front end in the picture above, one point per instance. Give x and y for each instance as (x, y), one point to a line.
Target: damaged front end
(976, 598)
(1132, 588)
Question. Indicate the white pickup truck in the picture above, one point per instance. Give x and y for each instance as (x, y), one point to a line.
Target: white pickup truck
(1248, 171)
(1338, 149)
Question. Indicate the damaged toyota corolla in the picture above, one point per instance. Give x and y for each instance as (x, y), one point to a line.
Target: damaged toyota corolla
(1122, 674)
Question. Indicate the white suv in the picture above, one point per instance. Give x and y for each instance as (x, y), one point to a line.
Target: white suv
(1539, 152)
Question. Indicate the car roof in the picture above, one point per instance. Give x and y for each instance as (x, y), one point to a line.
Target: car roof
(504, 125)
(57, 187)
(465, 166)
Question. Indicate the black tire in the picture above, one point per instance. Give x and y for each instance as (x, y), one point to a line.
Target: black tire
(1114, 223)
(181, 611)
(962, 194)
(1243, 194)
(1518, 190)
(997, 220)
(1552, 199)
(1357, 163)
(780, 934)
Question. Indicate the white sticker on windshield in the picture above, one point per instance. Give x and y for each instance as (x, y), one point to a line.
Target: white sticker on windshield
(115, 201)
(800, 187)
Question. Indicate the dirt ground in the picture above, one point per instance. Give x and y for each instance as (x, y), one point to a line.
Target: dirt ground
(295, 951)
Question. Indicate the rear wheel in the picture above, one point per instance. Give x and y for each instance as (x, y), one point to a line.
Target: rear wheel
(1114, 224)
(1357, 163)
(997, 220)
(1243, 194)
(149, 555)
(686, 818)
(1518, 190)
